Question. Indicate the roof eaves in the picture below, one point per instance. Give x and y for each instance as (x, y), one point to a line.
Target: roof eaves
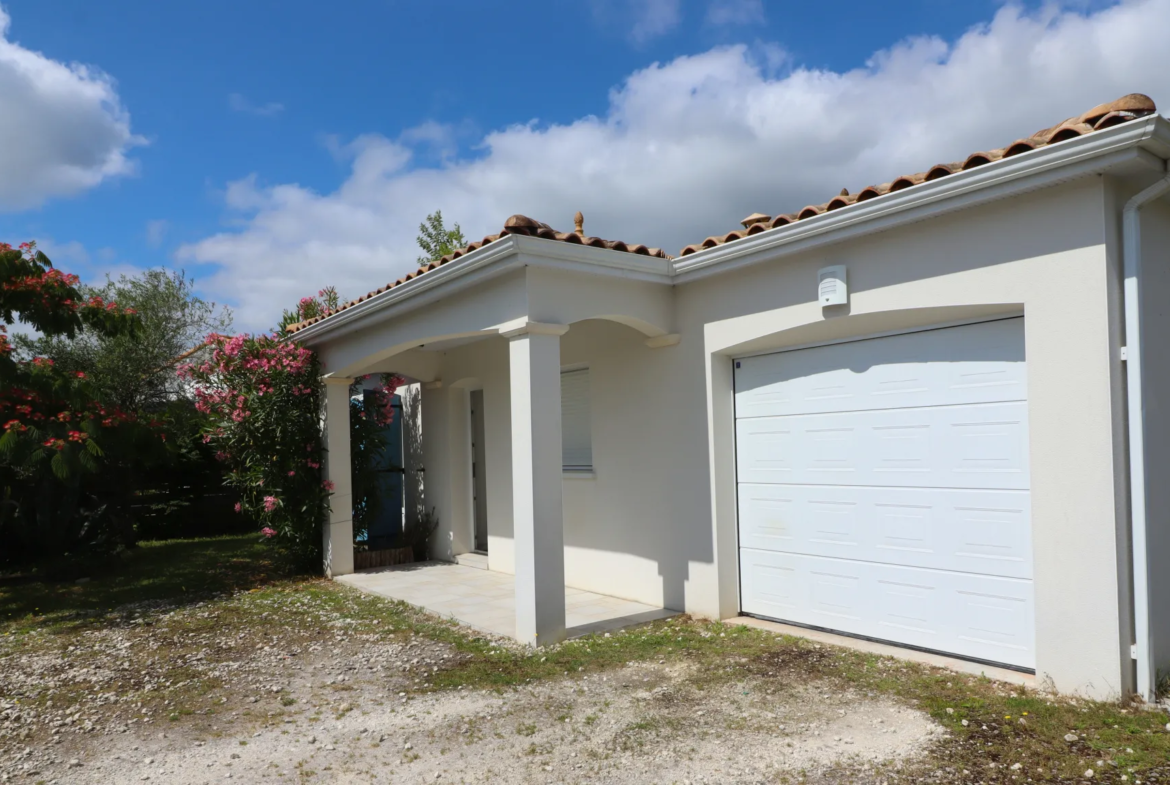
(1124, 147)
(1108, 115)
(516, 225)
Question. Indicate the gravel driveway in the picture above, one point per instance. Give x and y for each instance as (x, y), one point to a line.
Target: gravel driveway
(191, 695)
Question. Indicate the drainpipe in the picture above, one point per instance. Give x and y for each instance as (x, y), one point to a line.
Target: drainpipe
(1132, 260)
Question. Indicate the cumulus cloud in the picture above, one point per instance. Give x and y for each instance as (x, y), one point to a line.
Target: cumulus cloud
(689, 147)
(62, 126)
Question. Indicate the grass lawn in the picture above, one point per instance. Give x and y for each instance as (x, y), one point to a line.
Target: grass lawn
(171, 571)
(231, 588)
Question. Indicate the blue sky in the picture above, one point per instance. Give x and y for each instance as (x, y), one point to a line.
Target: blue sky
(271, 148)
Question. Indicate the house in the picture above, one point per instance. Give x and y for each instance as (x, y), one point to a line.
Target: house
(935, 412)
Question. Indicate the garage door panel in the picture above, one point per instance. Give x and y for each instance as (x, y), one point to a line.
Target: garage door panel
(968, 531)
(884, 489)
(973, 364)
(978, 616)
(994, 617)
(981, 446)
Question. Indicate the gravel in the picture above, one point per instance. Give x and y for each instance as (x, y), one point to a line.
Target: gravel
(175, 696)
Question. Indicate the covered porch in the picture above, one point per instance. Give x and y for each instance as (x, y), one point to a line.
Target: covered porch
(488, 344)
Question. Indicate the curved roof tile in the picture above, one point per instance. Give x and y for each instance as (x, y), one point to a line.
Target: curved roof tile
(1123, 110)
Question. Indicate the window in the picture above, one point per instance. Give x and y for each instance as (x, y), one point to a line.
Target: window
(576, 430)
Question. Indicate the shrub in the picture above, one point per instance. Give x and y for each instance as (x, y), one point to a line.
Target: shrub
(264, 399)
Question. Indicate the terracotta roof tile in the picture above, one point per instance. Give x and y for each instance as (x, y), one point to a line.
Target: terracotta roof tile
(517, 224)
(1107, 115)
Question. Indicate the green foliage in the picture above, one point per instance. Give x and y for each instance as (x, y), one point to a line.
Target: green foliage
(436, 240)
(136, 372)
(69, 459)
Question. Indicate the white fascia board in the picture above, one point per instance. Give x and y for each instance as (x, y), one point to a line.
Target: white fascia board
(1035, 169)
(508, 253)
(493, 259)
(538, 252)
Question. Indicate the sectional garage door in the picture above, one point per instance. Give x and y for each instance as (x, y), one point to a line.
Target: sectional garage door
(883, 490)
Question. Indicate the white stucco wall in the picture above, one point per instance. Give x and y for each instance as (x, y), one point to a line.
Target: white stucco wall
(657, 521)
(1043, 255)
(1156, 368)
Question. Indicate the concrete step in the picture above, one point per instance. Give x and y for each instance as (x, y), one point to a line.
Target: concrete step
(476, 560)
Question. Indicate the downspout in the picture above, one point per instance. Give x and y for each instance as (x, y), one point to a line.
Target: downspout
(1143, 654)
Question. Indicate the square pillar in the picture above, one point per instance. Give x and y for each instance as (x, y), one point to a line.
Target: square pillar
(338, 529)
(534, 354)
(436, 449)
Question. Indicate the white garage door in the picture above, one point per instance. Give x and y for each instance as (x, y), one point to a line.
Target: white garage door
(883, 490)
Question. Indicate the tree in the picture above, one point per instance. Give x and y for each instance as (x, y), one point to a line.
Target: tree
(436, 240)
(137, 372)
(63, 450)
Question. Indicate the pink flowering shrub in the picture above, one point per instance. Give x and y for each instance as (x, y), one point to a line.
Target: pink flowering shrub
(263, 397)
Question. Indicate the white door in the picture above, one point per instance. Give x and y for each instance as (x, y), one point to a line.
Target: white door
(883, 490)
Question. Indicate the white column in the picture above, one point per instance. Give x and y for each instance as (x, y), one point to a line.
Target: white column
(338, 530)
(534, 355)
(436, 426)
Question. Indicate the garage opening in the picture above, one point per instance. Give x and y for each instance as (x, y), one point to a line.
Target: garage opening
(883, 490)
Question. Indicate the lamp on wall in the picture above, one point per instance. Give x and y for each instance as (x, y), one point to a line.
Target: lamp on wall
(832, 285)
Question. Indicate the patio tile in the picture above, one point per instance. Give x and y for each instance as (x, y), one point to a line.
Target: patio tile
(486, 600)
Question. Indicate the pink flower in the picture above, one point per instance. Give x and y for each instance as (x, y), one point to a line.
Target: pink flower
(328, 485)
(267, 532)
(292, 474)
(269, 503)
(237, 507)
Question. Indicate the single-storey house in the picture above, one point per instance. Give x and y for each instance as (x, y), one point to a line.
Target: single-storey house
(934, 412)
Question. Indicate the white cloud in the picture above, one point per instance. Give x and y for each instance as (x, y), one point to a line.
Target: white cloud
(239, 103)
(735, 12)
(62, 127)
(156, 232)
(688, 148)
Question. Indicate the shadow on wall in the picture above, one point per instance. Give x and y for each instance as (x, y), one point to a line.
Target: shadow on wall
(637, 507)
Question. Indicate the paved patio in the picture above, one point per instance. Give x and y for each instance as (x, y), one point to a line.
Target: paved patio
(486, 600)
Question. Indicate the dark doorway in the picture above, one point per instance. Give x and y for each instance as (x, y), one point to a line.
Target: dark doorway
(479, 472)
(385, 525)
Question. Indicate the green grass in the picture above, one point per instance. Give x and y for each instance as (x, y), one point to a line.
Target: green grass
(267, 604)
(174, 571)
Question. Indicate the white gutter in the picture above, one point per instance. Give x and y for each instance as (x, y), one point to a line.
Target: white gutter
(1132, 255)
